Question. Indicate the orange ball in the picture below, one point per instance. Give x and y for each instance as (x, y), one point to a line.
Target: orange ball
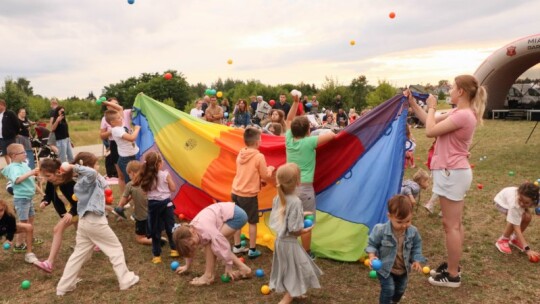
(167, 76)
(392, 15)
(229, 61)
(265, 289)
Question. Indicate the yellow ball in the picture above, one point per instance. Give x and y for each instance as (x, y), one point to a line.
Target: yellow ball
(74, 197)
(426, 270)
(536, 183)
(267, 237)
(219, 94)
(367, 262)
(265, 289)
(352, 42)
(229, 61)
(362, 259)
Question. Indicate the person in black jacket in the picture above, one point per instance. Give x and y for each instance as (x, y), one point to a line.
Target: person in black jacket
(9, 124)
(59, 192)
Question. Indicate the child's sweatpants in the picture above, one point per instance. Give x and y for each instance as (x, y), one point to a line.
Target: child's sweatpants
(94, 230)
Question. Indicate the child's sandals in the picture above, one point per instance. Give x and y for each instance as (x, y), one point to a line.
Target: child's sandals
(201, 281)
(44, 265)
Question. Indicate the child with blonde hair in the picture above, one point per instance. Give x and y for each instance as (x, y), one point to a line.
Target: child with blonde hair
(516, 203)
(293, 270)
(211, 229)
(412, 188)
(9, 227)
(93, 229)
(158, 185)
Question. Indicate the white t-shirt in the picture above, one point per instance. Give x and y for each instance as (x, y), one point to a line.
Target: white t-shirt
(196, 112)
(125, 148)
(161, 192)
(508, 199)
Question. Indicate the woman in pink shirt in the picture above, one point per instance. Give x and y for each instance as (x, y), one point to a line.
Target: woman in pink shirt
(211, 228)
(452, 174)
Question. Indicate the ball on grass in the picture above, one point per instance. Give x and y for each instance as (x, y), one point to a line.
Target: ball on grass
(7, 246)
(259, 273)
(426, 270)
(174, 265)
(25, 284)
(243, 236)
(373, 274)
(225, 278)
(265, 290)
(534, 259)
(243, 243)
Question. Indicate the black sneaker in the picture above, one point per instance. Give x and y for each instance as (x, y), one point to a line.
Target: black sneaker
(120, 212)
(445, 280)
(442, 268)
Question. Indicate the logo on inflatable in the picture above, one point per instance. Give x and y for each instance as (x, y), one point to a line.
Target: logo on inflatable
(511, 51)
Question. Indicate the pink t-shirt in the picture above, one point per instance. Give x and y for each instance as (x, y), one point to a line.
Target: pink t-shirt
(452, 149)
(208, 225)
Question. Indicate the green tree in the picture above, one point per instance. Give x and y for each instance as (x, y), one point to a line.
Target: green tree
(328, 92)
(24, 85)
(14, 96)
(359, 89)
(441, 95)
(383, 92)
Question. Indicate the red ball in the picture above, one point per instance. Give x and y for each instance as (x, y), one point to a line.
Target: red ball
(181, 216)
(108, 192)
(242, 259)
(480, 186)
(392, 15)
(272, 102)
(109, 200)
(534, 259)
(167, 76)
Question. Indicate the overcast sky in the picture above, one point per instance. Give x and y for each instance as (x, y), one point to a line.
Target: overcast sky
(68, 47)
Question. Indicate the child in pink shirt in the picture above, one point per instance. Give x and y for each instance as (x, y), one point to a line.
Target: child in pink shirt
(211, 228)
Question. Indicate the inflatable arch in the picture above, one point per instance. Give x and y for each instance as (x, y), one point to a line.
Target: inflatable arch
(500, 70)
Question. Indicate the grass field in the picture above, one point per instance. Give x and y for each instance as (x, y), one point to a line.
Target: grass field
(488, 275)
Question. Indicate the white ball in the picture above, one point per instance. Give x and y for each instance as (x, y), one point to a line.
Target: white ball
(295, 92)
(65, 166)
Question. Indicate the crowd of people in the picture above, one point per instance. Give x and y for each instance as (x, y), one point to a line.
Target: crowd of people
(79, 194)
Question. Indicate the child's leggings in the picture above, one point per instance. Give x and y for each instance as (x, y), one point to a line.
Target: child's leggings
(94, 230)
(160, 216)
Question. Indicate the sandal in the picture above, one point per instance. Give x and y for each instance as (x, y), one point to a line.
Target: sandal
(200, 281)
(44, 265)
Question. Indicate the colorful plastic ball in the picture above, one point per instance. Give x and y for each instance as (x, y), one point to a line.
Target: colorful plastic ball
(101, 100)
(362, 259)
(308, 223)
(25, 284)
(309, 217)
(131, 1)
(259, 273)
(367, 262)
(376, 264)
(109, 200)
(207, 92)
(352, 42)
(537, 210)
(480, 186)
(242, 259)
(229, 61)
(511, 173)
(181, 216)
(243, 243)
(534, 259)
(373, 274)
(219, 94)
(74, 197)
(426, 270)
(225, 278)
(226, 114)
(536, 183)
(267, 237)
(308, 105)
(212, 92)
(108, 192)
(174, 265)
(272, 102)
(167, 76)
(265, 290)
(7, 246)
(392, 15)
(243, 236)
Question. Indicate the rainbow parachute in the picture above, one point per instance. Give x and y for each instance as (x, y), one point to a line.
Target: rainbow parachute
(355, 175)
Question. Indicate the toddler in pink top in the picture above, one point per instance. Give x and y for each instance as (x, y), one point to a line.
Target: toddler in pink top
(211, 229)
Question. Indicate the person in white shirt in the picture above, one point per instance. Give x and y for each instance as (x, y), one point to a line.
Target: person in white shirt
(197, 111)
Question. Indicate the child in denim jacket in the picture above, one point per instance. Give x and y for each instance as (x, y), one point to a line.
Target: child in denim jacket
(399, 247)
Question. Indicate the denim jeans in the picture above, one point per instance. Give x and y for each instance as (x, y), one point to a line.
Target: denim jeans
(65, 153)
(160, 216)
(122, 164)
(392, 288)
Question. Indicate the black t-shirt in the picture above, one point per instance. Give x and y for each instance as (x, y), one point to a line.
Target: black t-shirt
(25, 127)
(62, 130)
(285, 107)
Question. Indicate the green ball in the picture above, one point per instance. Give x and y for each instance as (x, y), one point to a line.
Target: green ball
(225, 278)
(101, 100)
(243, 243)
(25, 284)
(309, 217)
(242, 236)
(511, 173)
(373, 274)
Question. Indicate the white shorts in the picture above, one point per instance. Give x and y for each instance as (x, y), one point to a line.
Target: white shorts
(452, 184)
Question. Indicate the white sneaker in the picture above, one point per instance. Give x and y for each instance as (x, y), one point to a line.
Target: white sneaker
(30, 258)
(242, 249)
(429, 207)
(134, 281)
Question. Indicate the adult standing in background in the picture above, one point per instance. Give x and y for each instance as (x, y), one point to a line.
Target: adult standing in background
(205, 104)
(262, 110)
(338, 103)
(452, 174)
(314, 105)
(23, 137)
(214, 113)
(9, 128)
(282, 104)
(51, 142)
(61, 132)
(197, 111)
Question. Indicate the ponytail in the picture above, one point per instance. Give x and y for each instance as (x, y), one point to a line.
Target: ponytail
(478, 104)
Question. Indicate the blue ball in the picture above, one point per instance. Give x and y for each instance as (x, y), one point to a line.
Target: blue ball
(259, 273)
(226, 114)
(175, 265)
(537, 210)
(376, 264)
(308, 223)
(6, 246)
(131, 1)
(308, 105)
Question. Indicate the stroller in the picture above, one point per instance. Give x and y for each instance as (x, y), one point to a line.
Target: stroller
(39, 144)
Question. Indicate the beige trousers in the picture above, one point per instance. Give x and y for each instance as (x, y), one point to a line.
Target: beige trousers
(94, 230)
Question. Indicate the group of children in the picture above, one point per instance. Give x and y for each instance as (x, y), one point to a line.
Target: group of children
(396, 243)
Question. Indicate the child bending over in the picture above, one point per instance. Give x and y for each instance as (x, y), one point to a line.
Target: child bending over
(9, 227)
(412, 188)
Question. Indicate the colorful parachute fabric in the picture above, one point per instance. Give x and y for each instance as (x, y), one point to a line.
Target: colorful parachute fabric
(355, 175)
